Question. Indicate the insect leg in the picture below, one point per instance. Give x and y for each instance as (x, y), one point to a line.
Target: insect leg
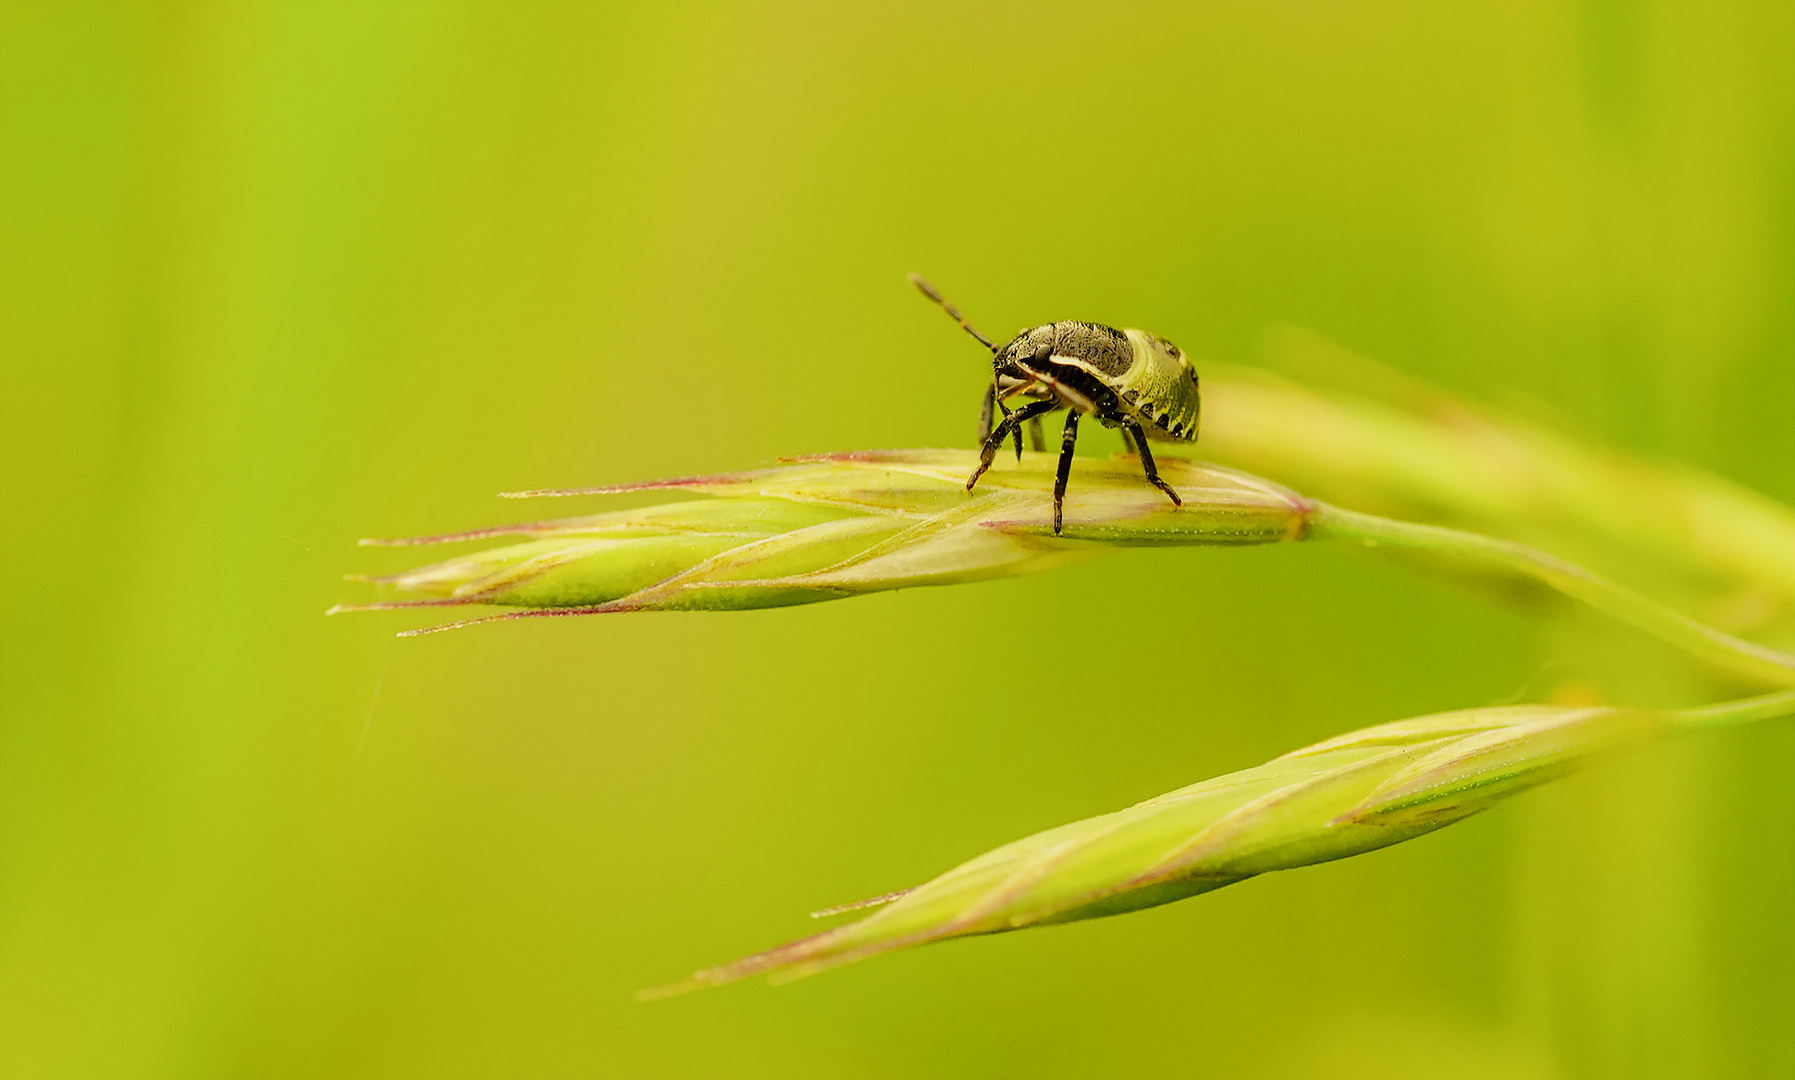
(1067, 442)
(990, 399)
(1036, 441)
(1034, 427)
(997, 437)
(1016, 434)
(1147, 465)
(1127, 441)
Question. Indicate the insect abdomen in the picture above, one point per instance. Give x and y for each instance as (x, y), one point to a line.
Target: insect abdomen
(1159, 389)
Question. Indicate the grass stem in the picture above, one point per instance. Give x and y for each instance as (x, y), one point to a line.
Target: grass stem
(1722, 649)
(1743, 711)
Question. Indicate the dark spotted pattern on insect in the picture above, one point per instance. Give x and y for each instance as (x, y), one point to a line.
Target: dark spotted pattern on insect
(1128, 379)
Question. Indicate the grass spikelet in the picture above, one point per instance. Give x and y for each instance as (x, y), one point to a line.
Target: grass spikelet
(1355, 793)
(841, 525)
(838, 525)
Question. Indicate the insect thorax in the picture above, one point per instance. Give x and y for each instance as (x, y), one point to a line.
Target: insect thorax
(1105, 350)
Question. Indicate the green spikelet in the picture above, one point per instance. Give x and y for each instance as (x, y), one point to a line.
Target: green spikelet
(1352, 794)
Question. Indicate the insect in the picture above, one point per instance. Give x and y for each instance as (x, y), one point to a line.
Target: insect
(1127, 379)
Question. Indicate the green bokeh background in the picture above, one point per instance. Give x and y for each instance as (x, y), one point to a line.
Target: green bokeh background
(279, 276)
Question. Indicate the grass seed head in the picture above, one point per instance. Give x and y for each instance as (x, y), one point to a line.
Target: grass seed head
(1348, 795)
(845, 524)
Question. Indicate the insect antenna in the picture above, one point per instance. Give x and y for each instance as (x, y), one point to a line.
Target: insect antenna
(929, 291)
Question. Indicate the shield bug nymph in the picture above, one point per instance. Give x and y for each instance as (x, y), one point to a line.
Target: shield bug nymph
(1127, 379)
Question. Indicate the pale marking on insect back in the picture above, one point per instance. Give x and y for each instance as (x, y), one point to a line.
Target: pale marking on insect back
(1130, 397)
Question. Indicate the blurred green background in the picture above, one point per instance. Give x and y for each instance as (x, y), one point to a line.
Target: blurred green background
(278, 276)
